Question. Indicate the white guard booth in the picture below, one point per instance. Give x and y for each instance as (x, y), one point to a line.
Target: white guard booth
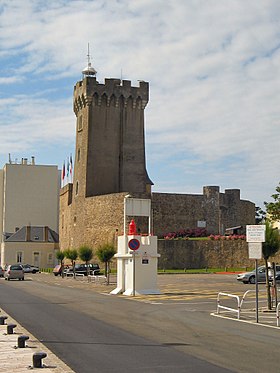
(137, 256)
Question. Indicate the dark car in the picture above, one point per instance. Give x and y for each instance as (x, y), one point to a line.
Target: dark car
(93, 268)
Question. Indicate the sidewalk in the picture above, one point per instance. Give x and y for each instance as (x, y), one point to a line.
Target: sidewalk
(20, 360)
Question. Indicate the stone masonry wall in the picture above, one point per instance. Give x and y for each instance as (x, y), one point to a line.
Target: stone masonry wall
(174, 212)
(180, 254)
(94, 220)
(203, 254)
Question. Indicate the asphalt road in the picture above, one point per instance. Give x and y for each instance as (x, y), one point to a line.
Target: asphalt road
(93, 331)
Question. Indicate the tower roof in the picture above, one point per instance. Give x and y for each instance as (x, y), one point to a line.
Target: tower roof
(89, 70)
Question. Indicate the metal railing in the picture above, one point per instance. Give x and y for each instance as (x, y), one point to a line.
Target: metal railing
(219, 306)
(277, 314)
(96, 277)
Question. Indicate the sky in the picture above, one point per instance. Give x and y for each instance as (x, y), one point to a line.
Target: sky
(214, 73)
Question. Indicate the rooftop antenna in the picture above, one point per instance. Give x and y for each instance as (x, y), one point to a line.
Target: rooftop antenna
(89, 71)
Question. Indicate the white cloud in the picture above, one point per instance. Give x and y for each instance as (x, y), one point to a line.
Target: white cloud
(32, 121)
(213, 68)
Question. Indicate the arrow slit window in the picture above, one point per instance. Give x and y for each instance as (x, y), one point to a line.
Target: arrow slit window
(80, 123)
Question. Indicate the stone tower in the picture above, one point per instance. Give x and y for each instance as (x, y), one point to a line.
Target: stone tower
(110, 145)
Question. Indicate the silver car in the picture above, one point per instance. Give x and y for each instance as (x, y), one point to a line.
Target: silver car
(14, 271)
(250, 277)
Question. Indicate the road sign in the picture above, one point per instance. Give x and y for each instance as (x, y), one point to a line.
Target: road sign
(255, 250)
(255, 233)
(134, 244)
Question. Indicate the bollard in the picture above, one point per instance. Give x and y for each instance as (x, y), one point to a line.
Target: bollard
(37, 359)
(10, 328)
(21, 341)
(2, 320)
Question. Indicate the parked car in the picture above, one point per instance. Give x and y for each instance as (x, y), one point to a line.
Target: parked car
(250, 277)
(277, 273)
(14, 271)
(57, 270)
(28, 268)
(82, 269)
(1, 272)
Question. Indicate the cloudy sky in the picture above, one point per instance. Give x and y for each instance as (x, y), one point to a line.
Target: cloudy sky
(214, 73)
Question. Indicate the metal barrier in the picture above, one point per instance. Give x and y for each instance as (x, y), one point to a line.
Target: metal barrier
(219, 306)
(96, 277)
(72, 274)
(277, 314)
(244, 296)
(251, 291)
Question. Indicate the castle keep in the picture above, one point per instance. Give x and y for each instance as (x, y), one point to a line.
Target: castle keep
(110, 150)
(110, 163)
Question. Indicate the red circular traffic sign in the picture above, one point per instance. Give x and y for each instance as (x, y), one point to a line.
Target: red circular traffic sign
(134, 244)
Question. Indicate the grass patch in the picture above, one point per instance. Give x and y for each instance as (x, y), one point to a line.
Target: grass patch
(201, 270)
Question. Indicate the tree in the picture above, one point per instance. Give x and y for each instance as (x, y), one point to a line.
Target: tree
(273, 208)
(72, 254)
(60, 256)
(269, 248)
(260, 215)
(86, 254)
(105, 253)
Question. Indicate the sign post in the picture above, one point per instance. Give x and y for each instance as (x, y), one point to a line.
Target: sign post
(255, 235)
(134, 245)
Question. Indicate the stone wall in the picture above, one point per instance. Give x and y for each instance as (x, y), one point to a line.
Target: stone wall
(218, 211)
(90, 221)
(94, 220)
(179, 254)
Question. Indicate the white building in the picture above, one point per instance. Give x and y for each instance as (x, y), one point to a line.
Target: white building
(29, 196)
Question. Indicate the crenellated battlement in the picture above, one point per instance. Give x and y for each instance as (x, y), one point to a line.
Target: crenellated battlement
(114, 93)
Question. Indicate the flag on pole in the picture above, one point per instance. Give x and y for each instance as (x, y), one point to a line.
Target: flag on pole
(68, 167)
(71, 167)
(63, 173)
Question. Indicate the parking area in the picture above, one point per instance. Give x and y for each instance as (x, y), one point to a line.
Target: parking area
(192, 291)
(173, 287)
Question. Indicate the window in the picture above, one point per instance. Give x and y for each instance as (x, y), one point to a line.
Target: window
(36, 258)
(79, 155)
(80, 123)
(77, 187)
(50, 258)
(19, 258)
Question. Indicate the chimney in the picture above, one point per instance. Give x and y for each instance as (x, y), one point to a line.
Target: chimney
(33, 161)
(28, 233)
(46, 234)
